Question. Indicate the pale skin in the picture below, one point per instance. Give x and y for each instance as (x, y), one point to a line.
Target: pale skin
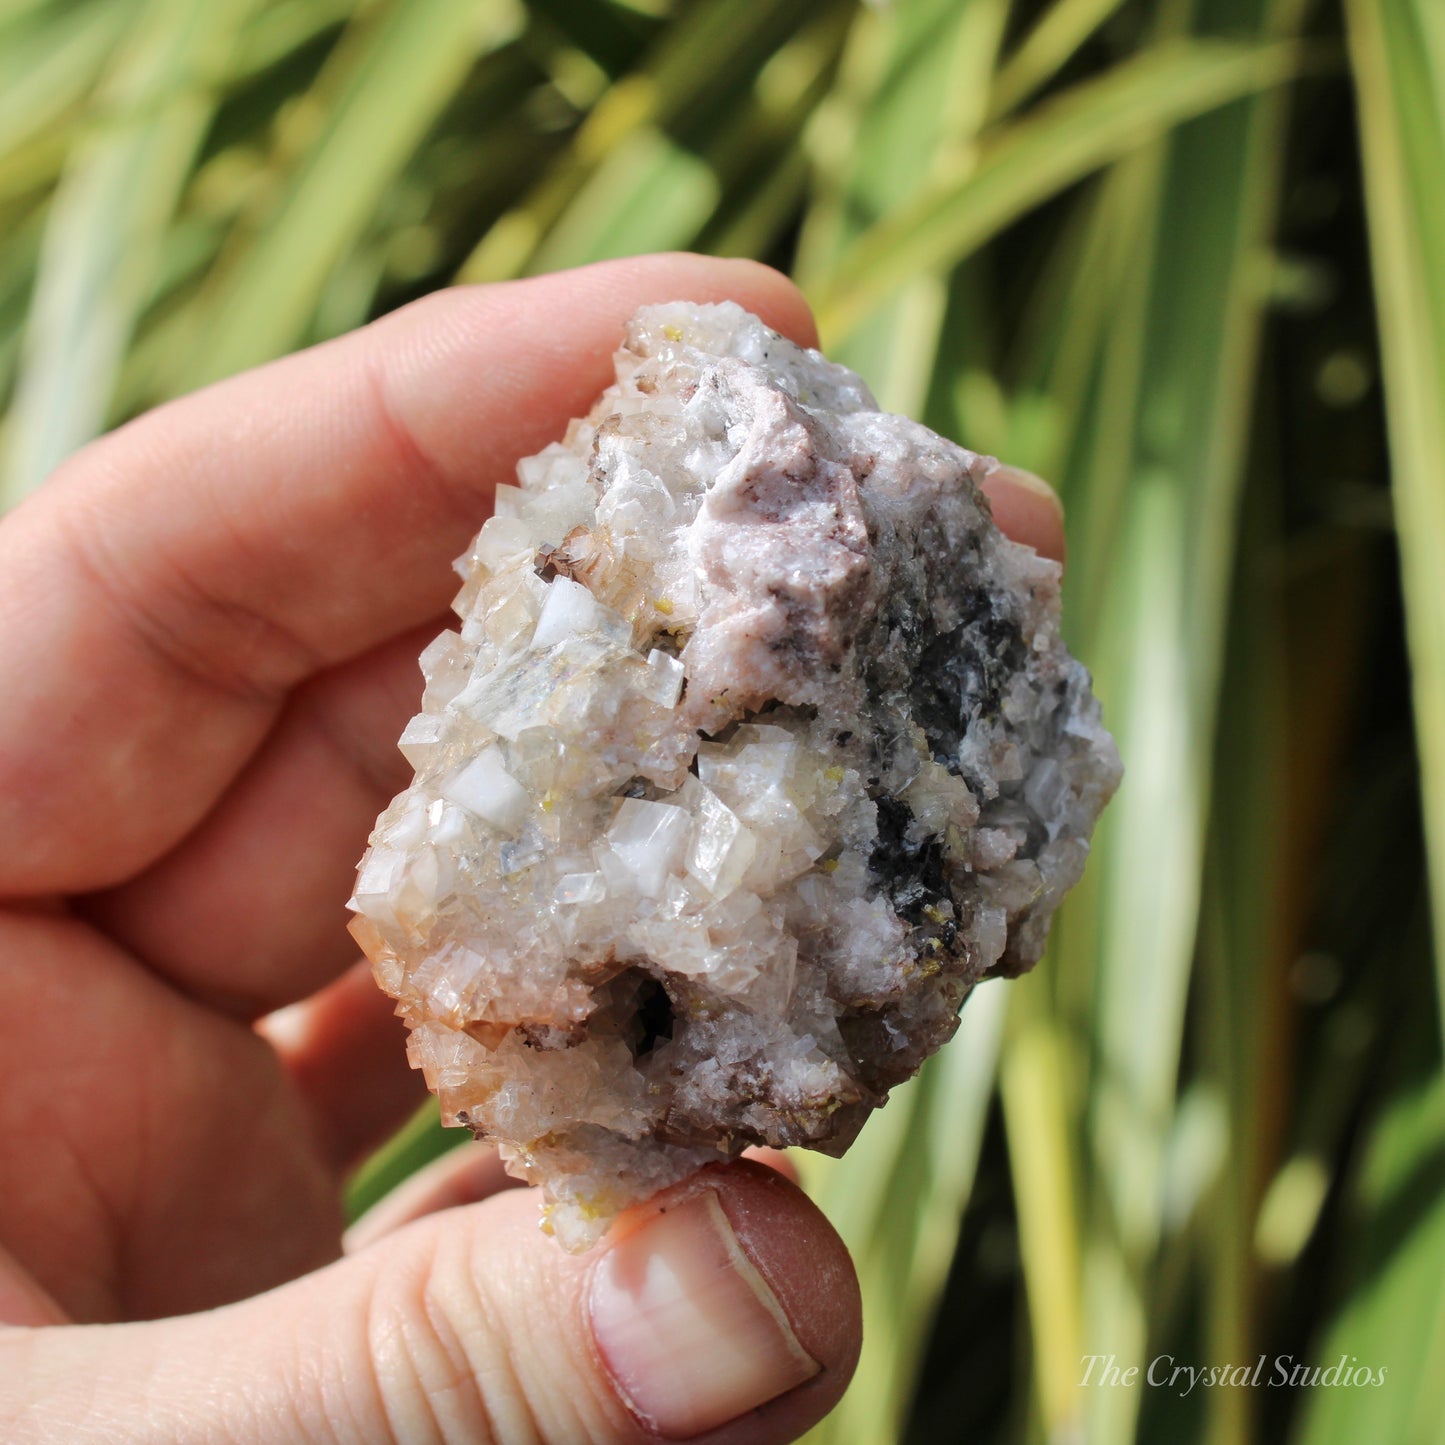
(209, 628)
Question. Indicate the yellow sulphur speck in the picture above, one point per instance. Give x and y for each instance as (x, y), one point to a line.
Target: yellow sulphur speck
(673, 333)
(829, 865)
(664, 606)
(833, 775)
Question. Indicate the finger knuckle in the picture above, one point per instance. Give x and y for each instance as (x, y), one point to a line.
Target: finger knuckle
(440, 1363)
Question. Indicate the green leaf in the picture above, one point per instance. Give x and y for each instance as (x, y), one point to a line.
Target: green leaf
(1392, 1323)
(1030, 160)
(48, 63)
(1397, 51)
(911, 107)
(276, 32)
(1036, 1099)
(691, 87)
(1047, 48)
(897, 1199)
(649, 194)
(389, 79)
(103, 245)
(1155, 476)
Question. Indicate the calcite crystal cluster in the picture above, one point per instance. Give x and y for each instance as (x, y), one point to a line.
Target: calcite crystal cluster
(756, 750)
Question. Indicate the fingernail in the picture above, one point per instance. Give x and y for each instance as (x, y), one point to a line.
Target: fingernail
(688, 1328)
(1028, 482)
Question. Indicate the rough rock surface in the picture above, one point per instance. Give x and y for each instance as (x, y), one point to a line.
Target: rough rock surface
(756, 750)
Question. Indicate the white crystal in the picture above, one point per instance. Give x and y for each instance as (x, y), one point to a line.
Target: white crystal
(575, 888)
(572, 611)
(664, 679)
(757, 748)
(722, 848)
(422, 737)
(378, 881)
(486, 788)
(501, 539)
(650, 839)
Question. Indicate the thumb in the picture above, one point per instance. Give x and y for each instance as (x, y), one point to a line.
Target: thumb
(726, 1309)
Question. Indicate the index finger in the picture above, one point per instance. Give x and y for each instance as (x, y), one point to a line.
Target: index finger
(174, 580)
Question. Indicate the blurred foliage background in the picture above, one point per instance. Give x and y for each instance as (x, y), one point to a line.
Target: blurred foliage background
(1186, 258)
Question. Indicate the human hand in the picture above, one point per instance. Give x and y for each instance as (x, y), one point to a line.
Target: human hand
(209, 630)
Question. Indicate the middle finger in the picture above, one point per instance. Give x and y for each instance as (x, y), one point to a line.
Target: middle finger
(248, 912)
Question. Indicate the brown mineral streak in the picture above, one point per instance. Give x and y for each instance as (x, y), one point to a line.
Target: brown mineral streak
(757, 750)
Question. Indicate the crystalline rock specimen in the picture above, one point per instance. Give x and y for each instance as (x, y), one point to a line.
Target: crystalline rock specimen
(756, 750)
